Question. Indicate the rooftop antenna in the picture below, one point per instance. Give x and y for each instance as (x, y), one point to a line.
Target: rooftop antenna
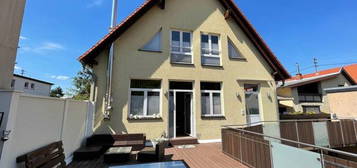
(108, 95)
(315, 64)
(299, 75)
(298, 68)
(22, 72)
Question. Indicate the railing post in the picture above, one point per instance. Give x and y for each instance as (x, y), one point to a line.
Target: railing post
(322, 158)
(240, 146)
(271, 154)
(354, 128)
(342, 135)
(297, 133)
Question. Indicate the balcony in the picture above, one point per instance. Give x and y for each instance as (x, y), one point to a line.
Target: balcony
(293, 144)
(310, 97)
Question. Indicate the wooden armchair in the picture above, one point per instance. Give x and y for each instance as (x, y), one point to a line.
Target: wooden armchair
(48, 156)
(150, 154)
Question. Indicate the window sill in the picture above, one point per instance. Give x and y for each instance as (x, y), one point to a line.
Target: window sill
(238, 59)
(183, 64)
(214, 66)
(154, 51)
(213, 116)
(145, 118)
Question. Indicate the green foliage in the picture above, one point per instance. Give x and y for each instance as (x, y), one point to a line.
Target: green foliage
(82, 84)
(57, 92)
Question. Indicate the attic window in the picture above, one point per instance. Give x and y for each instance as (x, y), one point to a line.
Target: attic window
(154, 44)
(233, 51)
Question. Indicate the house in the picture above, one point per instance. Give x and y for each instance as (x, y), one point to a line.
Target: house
(184, 68)
(31, 85)
(342, 101)
(306, 93)
(11, 12)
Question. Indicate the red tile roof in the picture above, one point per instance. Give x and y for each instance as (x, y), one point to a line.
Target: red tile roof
(320, 73)
(350, 71)
(242, 21)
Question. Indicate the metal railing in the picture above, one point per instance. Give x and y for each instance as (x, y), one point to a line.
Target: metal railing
(304, 97)
(340, 133)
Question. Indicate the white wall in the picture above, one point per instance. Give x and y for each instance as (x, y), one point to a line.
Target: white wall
(42, 120)
(40, 89)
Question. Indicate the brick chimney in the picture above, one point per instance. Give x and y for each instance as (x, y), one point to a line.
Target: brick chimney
(299, 76)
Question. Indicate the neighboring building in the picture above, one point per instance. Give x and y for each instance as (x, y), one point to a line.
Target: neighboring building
(31, 85)
(11, 13)
(342, 101)
(185, 68)
(305, 93)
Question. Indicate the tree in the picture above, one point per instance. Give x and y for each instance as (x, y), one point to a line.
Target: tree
(82, 83)
(57, 92)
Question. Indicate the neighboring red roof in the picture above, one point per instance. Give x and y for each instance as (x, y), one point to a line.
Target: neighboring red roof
(242, 21)
(350, 71)
(319, 73)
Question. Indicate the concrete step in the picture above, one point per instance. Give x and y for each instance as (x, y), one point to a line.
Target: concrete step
(183, 141)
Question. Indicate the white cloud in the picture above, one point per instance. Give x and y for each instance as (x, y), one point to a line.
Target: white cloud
(44, 47)
(60, 77)
(50, 46)
(23, 38)
(17, 67)
(94, 3)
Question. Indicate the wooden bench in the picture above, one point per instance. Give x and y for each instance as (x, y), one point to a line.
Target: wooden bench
(46, 157)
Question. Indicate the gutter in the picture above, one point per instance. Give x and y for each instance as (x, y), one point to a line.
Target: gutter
(108, 95)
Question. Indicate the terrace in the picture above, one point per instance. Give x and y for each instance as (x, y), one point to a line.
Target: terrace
(208, 155)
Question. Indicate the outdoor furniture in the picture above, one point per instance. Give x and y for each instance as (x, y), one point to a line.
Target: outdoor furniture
(137, 141)
(149, 154)
(117, 154)
(48, 156)
(88, 153)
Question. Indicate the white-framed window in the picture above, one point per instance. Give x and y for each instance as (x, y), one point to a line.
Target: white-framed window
(210, 50)
(211, 97)
(145, 97)
(181, 47)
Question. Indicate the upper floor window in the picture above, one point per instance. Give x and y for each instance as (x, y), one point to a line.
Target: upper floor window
(13, 83)
(210, 50)
(211, 99)
(233, 51)
(144, 98)
(26, 85)
(154, 44)
(181, 47)
(32, 86)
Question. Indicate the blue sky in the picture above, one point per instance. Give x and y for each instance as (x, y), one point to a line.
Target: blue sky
(55, 33)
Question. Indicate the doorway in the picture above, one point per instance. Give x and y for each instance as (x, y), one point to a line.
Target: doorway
(252, 103)
(180, 110)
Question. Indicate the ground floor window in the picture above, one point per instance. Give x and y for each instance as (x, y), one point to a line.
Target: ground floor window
(311, 109)
(145, 98)
(211, 99)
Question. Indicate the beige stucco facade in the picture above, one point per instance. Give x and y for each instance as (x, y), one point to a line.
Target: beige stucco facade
(343, 103)
(297, 106)
(11, 13)
(198, 16)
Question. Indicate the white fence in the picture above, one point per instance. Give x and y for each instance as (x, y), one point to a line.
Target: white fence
(37, 121)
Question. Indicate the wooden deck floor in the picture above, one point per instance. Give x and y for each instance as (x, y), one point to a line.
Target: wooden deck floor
(202, 156)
